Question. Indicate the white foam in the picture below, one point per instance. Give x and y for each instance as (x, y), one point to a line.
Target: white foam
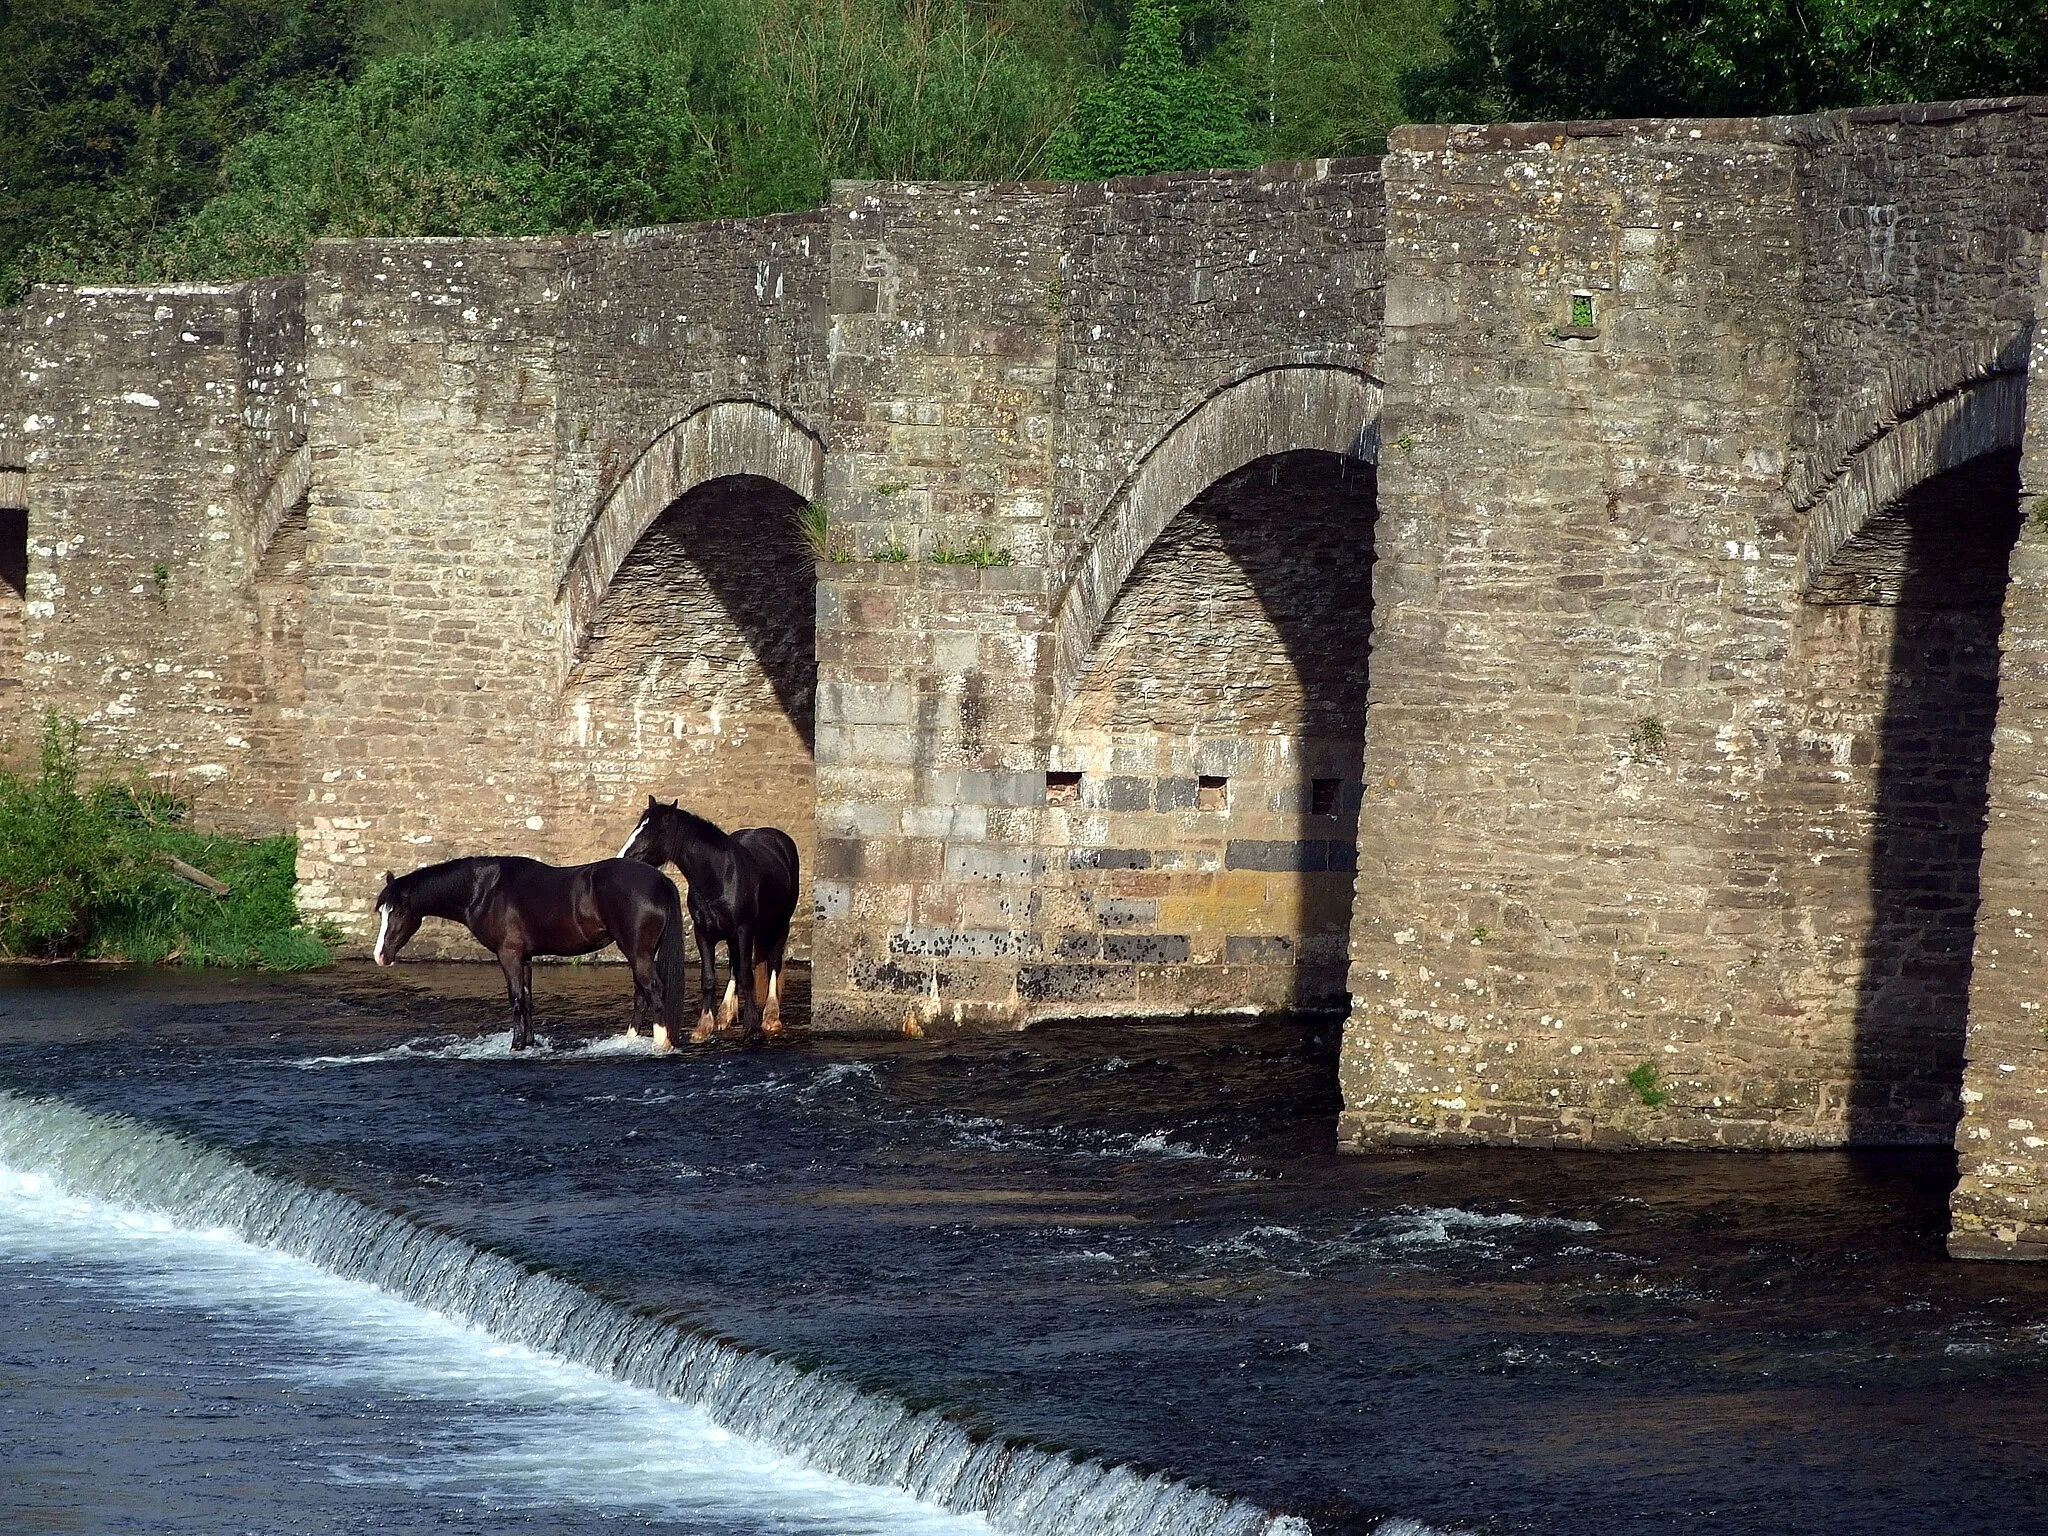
(491, 1047)
(1450, 1226)
(585, 1441)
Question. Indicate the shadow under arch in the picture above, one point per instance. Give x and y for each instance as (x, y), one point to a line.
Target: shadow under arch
(1273, 409)
(725, 439)
(1935, 553)
(1214, 739)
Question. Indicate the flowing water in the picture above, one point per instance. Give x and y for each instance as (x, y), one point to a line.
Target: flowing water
(321, 1254)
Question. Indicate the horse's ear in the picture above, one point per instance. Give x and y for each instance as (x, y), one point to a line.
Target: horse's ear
(389, 877)
(652, 802)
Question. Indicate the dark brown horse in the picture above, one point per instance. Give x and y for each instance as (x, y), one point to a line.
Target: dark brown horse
(518, 908)
(743, 890)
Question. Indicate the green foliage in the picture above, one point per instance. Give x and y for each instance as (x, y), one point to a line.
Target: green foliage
(509, 136)
(826, 543)
(981, 551)
(895, 552)
(1154, 114)
(1636, 58)
(115, 114)
(83, 872)
(1323, 77)
(1644, 1081)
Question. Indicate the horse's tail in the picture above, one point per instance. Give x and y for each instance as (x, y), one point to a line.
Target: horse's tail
(668, 959)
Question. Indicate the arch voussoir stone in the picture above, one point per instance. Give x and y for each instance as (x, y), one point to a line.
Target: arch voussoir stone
(1983, 417)
(1277, 409)
(726, 437)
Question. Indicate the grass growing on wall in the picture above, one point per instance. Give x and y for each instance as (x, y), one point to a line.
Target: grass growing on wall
(83, 873)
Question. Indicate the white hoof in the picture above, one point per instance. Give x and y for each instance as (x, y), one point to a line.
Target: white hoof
(661, 1042)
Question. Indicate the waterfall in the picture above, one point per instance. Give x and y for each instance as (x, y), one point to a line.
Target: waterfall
(812, 1416)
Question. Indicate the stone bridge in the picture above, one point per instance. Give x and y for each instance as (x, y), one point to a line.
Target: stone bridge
(1563, 591)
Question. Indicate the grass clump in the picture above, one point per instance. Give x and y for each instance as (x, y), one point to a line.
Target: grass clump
(981, 551)
(829, 545)
(84, 873)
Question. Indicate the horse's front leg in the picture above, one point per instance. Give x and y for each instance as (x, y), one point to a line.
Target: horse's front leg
(519, 988)
(707, 971)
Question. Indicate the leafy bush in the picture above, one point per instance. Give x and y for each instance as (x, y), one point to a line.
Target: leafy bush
(84, 873)
(1648, 58)
(1154, 114)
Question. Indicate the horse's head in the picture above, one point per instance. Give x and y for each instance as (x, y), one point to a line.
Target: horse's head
(397, 922)
(647, 841)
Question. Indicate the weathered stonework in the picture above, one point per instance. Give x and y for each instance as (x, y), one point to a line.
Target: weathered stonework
(150, 423)
(1686, 653)
(1548, 585)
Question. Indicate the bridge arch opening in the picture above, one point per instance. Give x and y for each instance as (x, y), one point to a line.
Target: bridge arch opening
(1205, 770)
(695, 676)
(13, 601)
(1910, 610)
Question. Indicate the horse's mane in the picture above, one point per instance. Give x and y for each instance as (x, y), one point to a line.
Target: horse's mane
(431, 882)
(700, 827)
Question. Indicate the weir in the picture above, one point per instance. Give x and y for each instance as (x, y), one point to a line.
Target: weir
(808, 1414)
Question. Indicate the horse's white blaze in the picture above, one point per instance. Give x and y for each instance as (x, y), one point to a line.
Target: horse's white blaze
(383, 931)
(628, 843)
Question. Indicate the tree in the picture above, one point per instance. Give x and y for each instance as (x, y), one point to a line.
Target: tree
(1154, 114)
(114, 114)
(1646, 58)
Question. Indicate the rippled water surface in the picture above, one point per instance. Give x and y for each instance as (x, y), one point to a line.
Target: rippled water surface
(1138, 1240)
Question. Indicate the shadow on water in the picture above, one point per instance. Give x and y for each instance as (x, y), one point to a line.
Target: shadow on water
(1941, 556)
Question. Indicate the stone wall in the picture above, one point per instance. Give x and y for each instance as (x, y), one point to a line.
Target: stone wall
(1697, 809)
(2000, 1205)
(432, 647)
(144, 446)
(932, 677)
(1920, 235)
(1199, 849)
(1582, 590)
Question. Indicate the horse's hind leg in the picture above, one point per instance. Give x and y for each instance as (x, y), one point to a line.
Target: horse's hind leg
(646, 991)
(744, 971)
(771, 970)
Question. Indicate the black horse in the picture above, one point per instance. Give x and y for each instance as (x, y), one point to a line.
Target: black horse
(743, 890)
(518, 908)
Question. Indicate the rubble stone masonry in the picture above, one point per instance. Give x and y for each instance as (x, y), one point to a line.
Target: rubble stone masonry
(1546, 591)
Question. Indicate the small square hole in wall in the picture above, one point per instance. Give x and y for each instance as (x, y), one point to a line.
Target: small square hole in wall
(1212, 793)
(1322, 796)
(1063, 789)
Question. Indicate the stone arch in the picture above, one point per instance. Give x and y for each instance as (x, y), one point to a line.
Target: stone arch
(1983, 417)
(737, 437)
(1273, 409)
